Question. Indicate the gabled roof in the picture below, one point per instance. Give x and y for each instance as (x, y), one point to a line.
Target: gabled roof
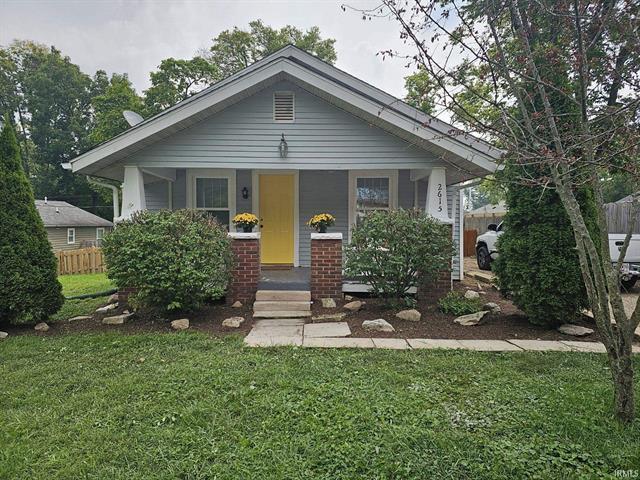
(63, 214)
(466, 152)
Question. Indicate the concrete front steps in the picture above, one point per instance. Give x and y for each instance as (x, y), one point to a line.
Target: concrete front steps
(282, 304)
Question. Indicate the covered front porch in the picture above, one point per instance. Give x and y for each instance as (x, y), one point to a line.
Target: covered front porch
(285, 199)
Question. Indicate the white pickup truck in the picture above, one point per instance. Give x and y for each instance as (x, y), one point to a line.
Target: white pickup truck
(486, 251)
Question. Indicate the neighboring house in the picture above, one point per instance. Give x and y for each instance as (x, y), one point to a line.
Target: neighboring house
(286, 138)
(70, 227)
(480, 218)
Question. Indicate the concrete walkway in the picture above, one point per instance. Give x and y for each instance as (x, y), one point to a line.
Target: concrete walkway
(294, 332)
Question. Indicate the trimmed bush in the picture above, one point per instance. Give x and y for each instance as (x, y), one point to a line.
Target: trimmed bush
(177, 260)
(538, 264)
(395, 250)
(29, 287)
(454, 303)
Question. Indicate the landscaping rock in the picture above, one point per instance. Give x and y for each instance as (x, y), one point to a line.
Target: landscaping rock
(329, 317)
(471, 319)
(180, 324)
(232, 322)
(471, 294)
(353, 306)
(41, 327)
(237, 304)
(80, 318)
(411, 315)
(116, 319)
(379, 325)
(348, 298)
(492, 307)
(574, 330)
(3, 335)
(113, 298)
(107, 308)
(328, 303)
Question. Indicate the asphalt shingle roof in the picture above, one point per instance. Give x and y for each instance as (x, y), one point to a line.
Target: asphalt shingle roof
(63, 214)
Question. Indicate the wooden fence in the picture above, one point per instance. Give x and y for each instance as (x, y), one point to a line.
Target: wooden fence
(470, 237)
(619, 217)
(82, 260)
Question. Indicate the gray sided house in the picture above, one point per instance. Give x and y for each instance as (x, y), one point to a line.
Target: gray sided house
(286, 138)
(70, 227)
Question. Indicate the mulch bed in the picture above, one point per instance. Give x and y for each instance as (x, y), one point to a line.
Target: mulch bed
(509, 324)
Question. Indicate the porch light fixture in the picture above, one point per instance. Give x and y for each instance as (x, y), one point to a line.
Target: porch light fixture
(284, 148)
(245, 193)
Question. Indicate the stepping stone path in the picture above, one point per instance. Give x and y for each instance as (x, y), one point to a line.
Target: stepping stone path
(329, 317)
(117, 319)
(330, 329)
(282, 304)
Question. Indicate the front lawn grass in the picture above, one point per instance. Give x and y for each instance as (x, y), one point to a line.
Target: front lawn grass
(73, 285)
(190, 406)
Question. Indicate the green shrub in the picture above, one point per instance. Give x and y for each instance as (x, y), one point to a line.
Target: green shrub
(29, 287)
(395, 250)
(538, 264)
(176, 260)
(454, 303)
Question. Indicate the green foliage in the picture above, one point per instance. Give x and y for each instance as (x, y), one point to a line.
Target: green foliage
(176, 259)
(392, 250)
(235, 49)
(108, 104)
(177, 80)
(198, 406)
(420, 91)
(538, 264)
(454, 303)
(30, 290)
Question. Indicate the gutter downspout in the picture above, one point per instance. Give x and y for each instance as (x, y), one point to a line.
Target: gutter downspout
(116, 196)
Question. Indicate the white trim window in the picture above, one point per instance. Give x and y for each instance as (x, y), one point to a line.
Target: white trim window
(370, 191)
(71, 236)
(215, 193)
(99, 235)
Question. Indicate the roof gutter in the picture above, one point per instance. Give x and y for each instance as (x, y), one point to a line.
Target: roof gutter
(116, 195)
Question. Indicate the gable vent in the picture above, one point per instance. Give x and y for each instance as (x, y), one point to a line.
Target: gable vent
(283, 107)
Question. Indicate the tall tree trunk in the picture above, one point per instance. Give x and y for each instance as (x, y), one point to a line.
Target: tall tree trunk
(623, 394)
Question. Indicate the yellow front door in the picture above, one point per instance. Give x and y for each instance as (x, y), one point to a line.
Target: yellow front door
(276, 219)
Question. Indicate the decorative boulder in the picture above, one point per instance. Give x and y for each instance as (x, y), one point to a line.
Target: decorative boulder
(492, 307)
(237, 304)
(107, 308)
(574, 330)
(353, 306)
(80, 318)
(180, 324)
(113, 298)
(41, 327)
(471, 319)
(379, 325)
(471, 294)
(348, 298)
(3, 335)
(116, 319)
(411, 315)
(328, 303)
(232, 322)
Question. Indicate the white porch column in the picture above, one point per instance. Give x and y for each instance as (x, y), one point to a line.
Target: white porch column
(436, 205)
(133, 198)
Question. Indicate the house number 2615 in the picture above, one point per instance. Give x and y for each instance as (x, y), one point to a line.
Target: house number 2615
(439, 194)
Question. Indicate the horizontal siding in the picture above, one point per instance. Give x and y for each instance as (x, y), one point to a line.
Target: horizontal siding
(156, 195)
(58, 237)
(179, 190)
(322, 192)
(243, 179)
(245, 135)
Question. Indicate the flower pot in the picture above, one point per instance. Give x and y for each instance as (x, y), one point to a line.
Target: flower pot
(322, 229)
(247, 228)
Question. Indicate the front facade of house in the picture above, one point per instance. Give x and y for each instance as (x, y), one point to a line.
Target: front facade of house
(287, 138)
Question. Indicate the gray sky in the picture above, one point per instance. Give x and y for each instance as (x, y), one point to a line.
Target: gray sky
(134, 36)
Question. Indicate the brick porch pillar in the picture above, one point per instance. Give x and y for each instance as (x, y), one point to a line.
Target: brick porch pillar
(431, 291)
(245, 273)
(326, 265)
